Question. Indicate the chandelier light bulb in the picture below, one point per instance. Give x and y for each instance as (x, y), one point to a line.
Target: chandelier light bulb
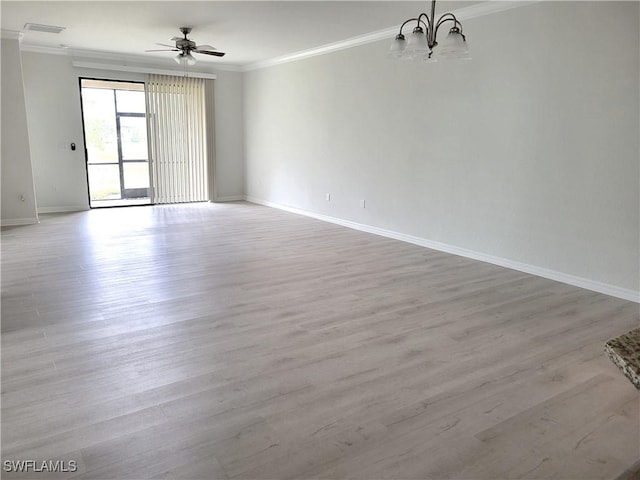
(398, 47)
(454, 46)
(417, 44)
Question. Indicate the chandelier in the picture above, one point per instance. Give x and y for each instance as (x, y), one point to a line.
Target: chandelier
(422, 40)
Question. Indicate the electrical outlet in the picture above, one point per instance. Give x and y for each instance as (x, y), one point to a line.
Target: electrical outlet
(328, 197)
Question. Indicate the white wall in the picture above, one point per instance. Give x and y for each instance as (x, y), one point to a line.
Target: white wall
(18, 195)
(527, 155)
(229, 124)
(53, 104)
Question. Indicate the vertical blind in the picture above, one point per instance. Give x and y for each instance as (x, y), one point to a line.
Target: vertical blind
(178, 138)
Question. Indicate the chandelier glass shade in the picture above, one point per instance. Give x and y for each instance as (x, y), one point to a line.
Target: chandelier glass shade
(422, 43)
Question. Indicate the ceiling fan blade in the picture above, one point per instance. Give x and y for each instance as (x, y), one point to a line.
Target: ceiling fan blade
(175, 39)
(165, 45)
(215, 54)
(164, 50)
(205, 47)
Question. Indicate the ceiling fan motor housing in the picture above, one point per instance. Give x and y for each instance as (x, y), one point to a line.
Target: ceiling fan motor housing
(185, 44)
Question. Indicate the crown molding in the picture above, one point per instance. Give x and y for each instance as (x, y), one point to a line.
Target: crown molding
(324, 49)
(11, 35)
(466, 13)
(25, 47)
(492, 6)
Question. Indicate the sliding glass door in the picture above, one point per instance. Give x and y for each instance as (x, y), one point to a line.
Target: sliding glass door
(115, 132)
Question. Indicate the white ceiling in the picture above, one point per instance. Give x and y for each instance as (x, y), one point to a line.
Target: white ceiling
(248, 31)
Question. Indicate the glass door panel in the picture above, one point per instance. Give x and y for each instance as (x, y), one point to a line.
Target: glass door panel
(116, 142)
(100, 125)
(104, 181)
(133, 135)
(136, 175)
(131, 101)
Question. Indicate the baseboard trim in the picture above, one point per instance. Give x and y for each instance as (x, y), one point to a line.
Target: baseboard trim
(576, 281)
(229, 198)
(63, 209)
(14, 222)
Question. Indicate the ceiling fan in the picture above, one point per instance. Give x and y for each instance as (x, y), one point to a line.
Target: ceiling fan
(185, 47)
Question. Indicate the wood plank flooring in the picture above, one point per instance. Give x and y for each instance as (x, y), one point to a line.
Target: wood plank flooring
(234, 341)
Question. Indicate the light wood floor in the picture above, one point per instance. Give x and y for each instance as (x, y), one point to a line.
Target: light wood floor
(238, 341)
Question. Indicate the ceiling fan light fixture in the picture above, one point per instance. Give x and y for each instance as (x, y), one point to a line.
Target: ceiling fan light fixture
(185, 59)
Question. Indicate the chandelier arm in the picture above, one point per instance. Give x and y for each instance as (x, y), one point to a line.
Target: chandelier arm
(428, 24)
(429, 32)
(407, 21)
(448, 17)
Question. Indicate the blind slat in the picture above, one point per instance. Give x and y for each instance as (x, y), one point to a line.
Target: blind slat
(176, 122)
